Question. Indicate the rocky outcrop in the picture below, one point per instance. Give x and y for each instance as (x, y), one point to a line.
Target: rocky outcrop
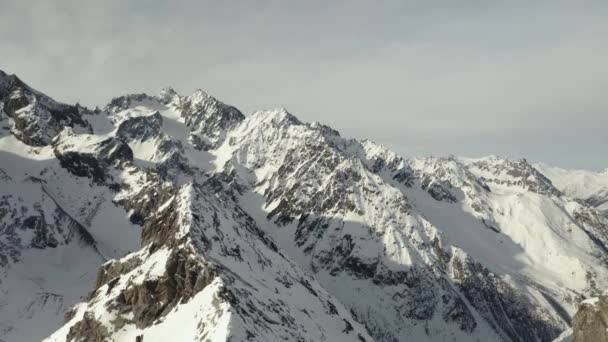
(36, 117)
(168, 153)
(323, 192)
(268, 228)
(141, 127)
(44, 225)
(595, 225)
(89, 329)
(591, 320)
(95, 159)
(208, 118)
(126, 101)
(112, 270)
(511, 314)
(144, 303)
(515, 173)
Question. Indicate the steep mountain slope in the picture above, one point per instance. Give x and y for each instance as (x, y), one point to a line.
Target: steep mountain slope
(55, 228)
(206, 224)
(442, 249)
(205, 269)
(203, 258)
(35, 118)
(588, 186)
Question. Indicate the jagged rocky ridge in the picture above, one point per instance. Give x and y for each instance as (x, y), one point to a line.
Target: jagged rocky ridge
(590, 323)
(591, 320)
(267, 228)
(35, 118)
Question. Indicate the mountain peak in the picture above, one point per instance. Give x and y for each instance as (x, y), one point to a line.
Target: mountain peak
(37, 118)
(207, 117)
(265, 228)
(507, 172)
(167, 94)
(277, 116)
(201, 94)
(9, 82)
(4, 75)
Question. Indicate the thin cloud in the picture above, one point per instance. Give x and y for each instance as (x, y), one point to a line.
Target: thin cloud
(519, 79)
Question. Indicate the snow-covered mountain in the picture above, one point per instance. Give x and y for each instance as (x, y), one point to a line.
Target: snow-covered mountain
(178, 217)
(588, 186)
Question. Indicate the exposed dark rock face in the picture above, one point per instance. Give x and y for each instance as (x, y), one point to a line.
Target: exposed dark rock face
(43, 237)
(208, 118)
(591, 320)
(595, 225)
(37, 118)
(438, 190)
(15, 101)
(95, 163)
(83, 165)
(112, 270)
(45, 231)
(521, 173)
(169, 151)
(190, 220)
(141, 127)
(126, 101)
(187, 271)
(446, 178)
(362, 220)
(598, 201)
(114, 152)
(509, 313)
(89, 329)
(420, 293)
(174, 162)
(185, 275)
(146, 200)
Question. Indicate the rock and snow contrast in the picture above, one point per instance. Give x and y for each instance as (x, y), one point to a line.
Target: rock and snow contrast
(179, 218)
(587, 186)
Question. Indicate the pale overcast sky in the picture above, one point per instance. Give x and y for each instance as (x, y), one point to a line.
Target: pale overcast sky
(511, 78)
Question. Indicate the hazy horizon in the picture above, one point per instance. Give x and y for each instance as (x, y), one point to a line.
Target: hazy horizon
(515, 80)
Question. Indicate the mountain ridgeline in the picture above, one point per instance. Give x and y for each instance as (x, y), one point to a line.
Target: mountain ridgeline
(176, 217)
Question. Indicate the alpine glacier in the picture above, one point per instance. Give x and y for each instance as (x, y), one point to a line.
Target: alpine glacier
(176, 217)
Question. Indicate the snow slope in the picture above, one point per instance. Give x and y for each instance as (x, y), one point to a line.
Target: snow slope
(366, 221)
(177, 217)
(588, 186)
(55, 230)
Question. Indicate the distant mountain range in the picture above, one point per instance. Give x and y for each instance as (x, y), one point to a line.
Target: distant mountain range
(178, 218)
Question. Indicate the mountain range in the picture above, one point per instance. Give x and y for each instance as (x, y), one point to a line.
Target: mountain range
(177, 217)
